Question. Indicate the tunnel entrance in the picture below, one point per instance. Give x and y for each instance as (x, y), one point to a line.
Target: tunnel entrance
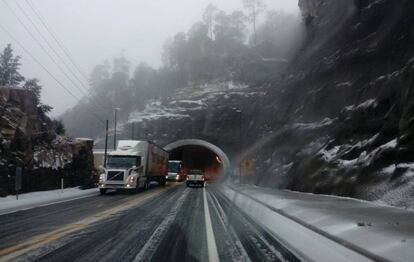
(199, 154)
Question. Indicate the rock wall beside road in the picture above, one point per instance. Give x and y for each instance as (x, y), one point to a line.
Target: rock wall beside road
(28, 140)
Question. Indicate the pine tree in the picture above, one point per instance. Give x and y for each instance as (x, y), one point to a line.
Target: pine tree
(9, 68)
(59, 127)
(33, 86)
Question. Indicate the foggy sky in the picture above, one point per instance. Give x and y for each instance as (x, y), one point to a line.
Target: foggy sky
(96, 30)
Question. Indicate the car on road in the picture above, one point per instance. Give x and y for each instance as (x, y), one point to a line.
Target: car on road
(195, 177)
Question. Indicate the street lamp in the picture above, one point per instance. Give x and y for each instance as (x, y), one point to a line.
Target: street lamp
(116, 114)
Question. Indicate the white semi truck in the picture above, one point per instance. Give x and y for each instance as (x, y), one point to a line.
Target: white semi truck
(133, 165)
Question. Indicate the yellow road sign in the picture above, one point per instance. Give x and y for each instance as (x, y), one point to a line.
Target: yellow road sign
(247, 167)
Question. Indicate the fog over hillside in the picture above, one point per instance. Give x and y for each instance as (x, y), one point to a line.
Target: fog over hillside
(96, 30)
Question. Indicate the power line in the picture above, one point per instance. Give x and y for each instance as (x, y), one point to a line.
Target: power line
(43, 20)
(46, 70)
(44, 49)
(58, 55)
(48, 43)
(40, 44)
(59, 42)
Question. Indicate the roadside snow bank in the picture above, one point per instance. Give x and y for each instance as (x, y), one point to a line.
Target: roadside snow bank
(378, 230)
(9, 204)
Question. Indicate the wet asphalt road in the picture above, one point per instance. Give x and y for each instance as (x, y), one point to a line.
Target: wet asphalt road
(174, 223)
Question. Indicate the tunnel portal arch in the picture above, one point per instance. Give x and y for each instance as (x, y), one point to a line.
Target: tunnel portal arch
(198, 142)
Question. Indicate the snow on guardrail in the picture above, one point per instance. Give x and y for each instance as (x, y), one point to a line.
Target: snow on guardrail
(329, 228)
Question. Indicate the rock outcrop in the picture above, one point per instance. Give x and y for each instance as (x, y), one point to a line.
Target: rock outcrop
(28, 140)
(344, 112)
(211, 112)
(340, 120)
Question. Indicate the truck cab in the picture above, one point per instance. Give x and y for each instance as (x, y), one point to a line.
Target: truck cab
(176, 172)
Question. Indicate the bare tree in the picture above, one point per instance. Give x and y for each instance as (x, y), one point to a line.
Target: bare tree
(254, 8)
(208, 19)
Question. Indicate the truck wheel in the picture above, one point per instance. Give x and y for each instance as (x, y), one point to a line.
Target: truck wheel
(136, 190)
(163, 181)
(102, 191)
(146, 184)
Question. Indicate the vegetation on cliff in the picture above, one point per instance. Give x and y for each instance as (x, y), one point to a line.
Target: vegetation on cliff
(221, 47)
(31, 140)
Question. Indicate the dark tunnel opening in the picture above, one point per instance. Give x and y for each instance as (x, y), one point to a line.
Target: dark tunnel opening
(200, 158)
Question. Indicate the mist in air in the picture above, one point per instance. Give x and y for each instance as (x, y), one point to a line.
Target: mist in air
(95, 31)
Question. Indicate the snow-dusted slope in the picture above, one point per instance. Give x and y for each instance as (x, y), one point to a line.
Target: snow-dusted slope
(209, 111)
(328, 228)
(28, 139)
(35, 199)
(341, 122)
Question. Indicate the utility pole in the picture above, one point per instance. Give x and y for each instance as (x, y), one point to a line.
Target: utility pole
(239, 112)
(115, 122)
(106, 142)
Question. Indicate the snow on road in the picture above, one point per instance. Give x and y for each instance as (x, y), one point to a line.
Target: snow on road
(377, 231)
(9, 204)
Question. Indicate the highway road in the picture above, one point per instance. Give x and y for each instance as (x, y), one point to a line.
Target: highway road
(174, 223)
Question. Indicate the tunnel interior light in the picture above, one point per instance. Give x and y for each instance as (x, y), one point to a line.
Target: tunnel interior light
(219, 160)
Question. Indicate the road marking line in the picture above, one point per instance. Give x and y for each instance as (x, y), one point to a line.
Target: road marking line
(148, 250)
(211, 241)
(243, 256)
(12, 252)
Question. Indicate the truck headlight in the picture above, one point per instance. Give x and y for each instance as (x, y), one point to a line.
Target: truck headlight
(101, 178)
(131, 180)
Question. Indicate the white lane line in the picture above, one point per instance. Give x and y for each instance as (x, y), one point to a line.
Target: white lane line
(211, 241)
(237, 246)
(153, 242)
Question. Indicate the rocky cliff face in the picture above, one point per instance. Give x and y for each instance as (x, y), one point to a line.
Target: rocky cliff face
(343, 121)
(215, 112)
(339, 121)
(28, 140)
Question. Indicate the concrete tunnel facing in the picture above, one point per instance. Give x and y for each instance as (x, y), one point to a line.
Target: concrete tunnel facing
(200, 154)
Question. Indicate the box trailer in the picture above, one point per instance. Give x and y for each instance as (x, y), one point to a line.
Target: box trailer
(133, 165)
